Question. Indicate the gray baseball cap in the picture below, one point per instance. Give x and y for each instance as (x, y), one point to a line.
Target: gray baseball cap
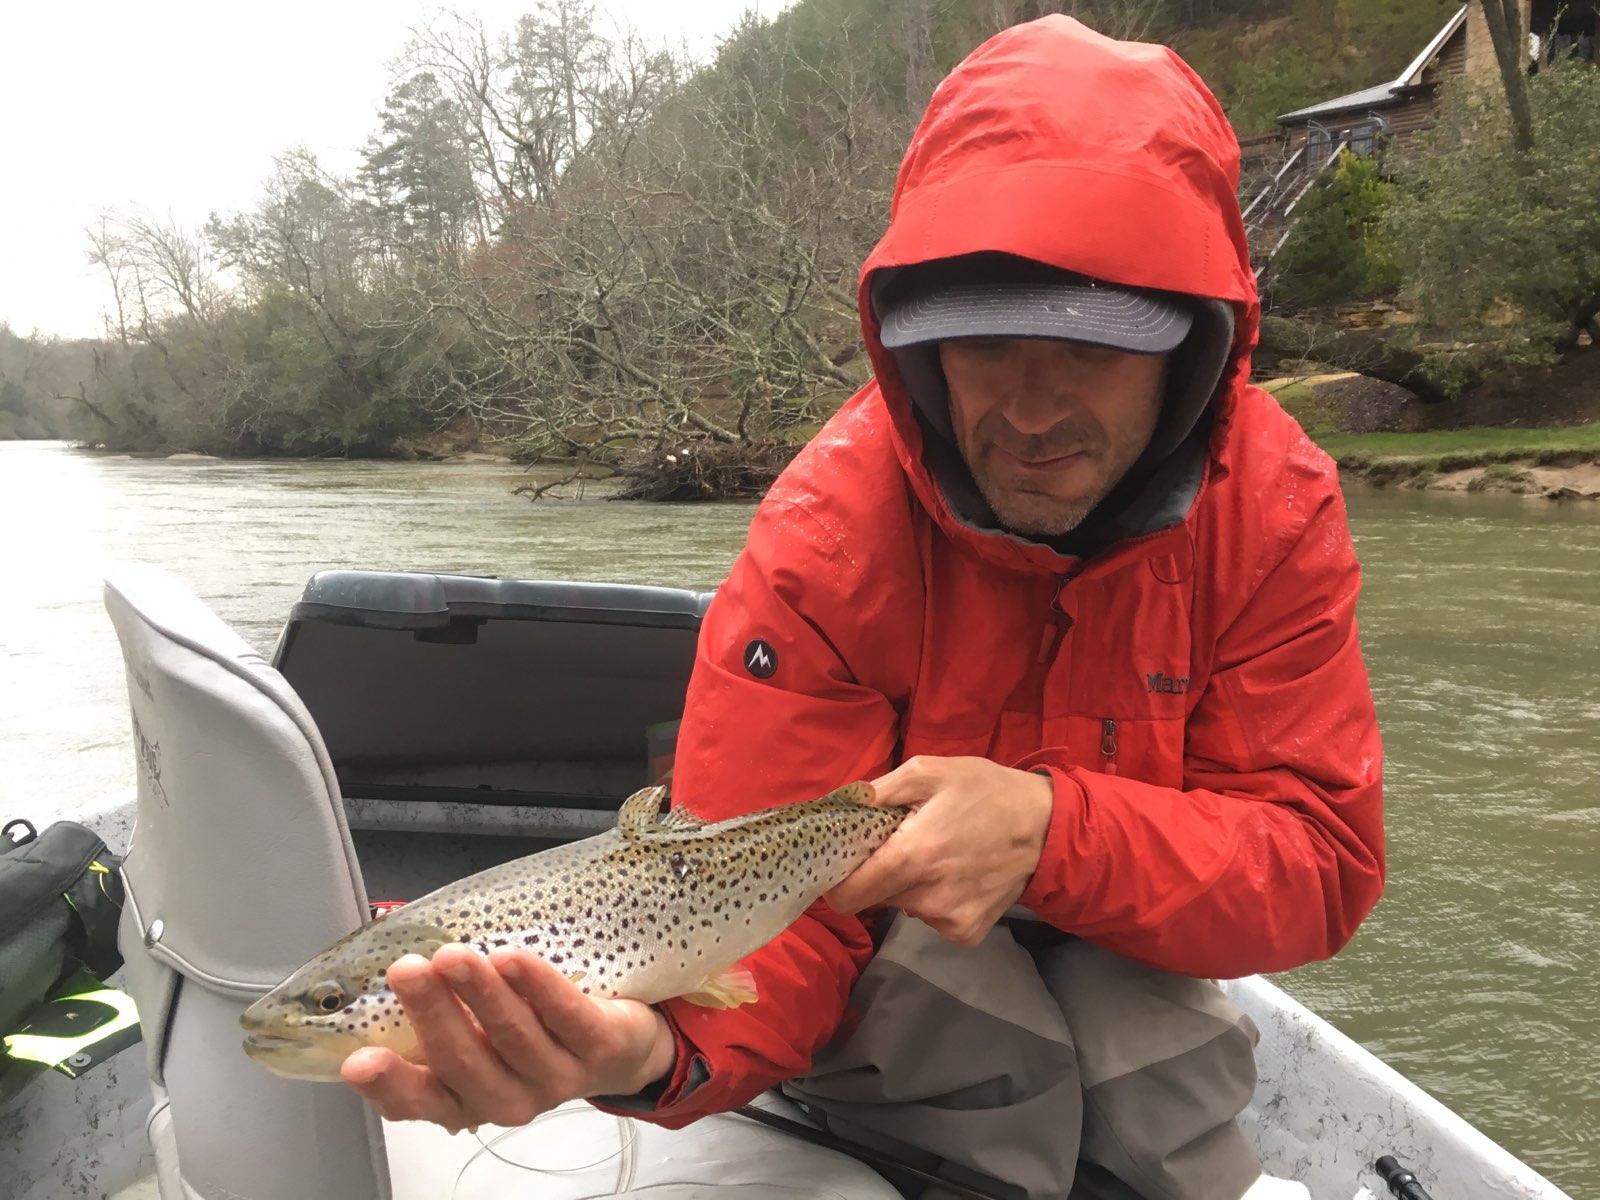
(999, 295)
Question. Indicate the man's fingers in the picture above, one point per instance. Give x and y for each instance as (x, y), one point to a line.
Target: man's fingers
(512, 1027)
(402, 1091)
(572, 1019)
(912, 782)
(456, 1052)
(889, 871)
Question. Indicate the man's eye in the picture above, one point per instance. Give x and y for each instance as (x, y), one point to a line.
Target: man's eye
(1091, 352)
(987, 345)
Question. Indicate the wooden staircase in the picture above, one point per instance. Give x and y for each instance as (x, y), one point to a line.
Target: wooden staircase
(1270, 214)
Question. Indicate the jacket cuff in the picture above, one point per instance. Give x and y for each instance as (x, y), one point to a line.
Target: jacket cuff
(664, 1097)
(1044, 894)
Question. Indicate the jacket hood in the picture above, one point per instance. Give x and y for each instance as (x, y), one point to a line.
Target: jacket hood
(1053, 143)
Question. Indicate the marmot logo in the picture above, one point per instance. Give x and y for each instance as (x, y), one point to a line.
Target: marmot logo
(1174, 685)
(760, 659)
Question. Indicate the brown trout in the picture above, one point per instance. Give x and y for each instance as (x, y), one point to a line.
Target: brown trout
(652, 909)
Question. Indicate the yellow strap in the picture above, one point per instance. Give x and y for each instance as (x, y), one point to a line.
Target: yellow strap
(53, 1051)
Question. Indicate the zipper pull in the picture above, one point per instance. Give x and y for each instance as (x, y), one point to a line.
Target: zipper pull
(1061, 586)
(1108, 746)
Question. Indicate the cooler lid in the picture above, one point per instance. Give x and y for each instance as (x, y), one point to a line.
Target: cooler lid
(495, 691)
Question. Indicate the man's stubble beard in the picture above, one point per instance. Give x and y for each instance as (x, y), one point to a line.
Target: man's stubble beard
(1034, 514)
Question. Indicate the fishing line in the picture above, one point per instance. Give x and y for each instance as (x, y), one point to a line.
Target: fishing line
(627, 1134)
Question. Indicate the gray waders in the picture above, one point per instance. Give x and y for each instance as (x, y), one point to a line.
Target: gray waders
(1011, 1060)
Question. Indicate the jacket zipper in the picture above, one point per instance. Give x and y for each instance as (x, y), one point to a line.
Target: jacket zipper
(1108, 747)
(1058, 624)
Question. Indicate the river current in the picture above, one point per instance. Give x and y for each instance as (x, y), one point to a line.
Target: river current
(1479, 974)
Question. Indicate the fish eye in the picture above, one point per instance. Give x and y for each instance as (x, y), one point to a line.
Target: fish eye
(328, 997)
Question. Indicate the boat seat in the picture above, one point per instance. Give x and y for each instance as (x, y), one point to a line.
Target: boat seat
(240, 868)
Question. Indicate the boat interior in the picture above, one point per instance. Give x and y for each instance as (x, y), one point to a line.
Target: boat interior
(413, 728)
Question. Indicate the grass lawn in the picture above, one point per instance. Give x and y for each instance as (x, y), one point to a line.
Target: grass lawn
(1317, 416)
(1447, 449)
(1485, 444)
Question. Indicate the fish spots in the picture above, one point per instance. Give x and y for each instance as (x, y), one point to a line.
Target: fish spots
(664, 912)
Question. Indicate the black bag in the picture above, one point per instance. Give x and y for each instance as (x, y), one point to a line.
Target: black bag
(60, 900)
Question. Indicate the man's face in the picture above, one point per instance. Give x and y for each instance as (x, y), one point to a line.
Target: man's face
(1048, 427)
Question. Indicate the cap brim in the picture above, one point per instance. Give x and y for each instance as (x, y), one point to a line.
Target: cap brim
(1120, 318)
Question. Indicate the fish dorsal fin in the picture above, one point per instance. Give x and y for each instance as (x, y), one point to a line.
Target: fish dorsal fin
(859, 792)
(681, 818)
(640, 813)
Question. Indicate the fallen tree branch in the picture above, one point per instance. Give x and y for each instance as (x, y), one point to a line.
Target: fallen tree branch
(1363, 351)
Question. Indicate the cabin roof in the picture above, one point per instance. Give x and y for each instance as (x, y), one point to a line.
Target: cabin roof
(1384, 92)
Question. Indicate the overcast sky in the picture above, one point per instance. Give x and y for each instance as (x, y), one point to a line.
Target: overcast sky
(179, 105)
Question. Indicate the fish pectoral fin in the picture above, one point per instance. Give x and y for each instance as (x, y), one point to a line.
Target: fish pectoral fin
(728, 988)
(639, 812)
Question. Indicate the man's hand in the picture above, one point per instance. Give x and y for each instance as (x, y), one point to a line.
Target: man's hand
(506, 1038)
(967, 852)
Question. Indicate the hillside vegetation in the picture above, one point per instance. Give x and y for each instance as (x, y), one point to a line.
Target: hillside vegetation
(579, 246)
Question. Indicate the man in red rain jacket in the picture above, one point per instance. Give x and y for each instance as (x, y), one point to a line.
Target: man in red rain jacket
(1058, 576)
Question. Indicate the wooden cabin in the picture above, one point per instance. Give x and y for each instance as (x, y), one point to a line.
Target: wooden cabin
(1396, 107)
(1408, 102)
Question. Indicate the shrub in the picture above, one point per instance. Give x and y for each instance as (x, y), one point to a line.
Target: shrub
(1336, 251)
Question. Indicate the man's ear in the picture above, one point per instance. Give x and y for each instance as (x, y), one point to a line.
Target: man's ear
(922, 374)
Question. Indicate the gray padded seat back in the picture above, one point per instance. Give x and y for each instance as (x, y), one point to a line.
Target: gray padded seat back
(241, 861)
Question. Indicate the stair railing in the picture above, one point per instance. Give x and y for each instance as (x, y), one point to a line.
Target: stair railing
(1311, 178)
(1272, 188)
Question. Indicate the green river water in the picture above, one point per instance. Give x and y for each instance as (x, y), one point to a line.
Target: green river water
(1479, 974)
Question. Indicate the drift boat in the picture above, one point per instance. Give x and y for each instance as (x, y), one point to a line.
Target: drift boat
(413, 728)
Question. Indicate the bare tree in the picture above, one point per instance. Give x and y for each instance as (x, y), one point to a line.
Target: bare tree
(1504, 19)
(1124, 20)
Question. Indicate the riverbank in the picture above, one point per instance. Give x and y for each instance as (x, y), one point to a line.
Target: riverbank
(1374, 436)
(452, 457)
(1378, 434)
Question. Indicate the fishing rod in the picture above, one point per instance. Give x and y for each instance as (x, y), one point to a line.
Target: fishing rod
(872, 1158)
(1402, 1183)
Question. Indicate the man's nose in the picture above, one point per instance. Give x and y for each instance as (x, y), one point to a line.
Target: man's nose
(1033, 407)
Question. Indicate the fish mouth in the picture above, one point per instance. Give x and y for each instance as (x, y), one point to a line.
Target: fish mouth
(294, 1057)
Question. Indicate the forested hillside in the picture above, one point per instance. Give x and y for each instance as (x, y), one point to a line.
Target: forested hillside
(578, 245)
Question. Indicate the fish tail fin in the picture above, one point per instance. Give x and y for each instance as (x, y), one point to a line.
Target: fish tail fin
(728, 988)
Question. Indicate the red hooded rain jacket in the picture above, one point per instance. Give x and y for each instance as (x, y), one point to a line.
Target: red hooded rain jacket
(1200, 699)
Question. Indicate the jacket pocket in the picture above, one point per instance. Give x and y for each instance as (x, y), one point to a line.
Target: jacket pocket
(1149, 749)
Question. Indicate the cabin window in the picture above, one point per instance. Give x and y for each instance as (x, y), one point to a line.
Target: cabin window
(1561, 34)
